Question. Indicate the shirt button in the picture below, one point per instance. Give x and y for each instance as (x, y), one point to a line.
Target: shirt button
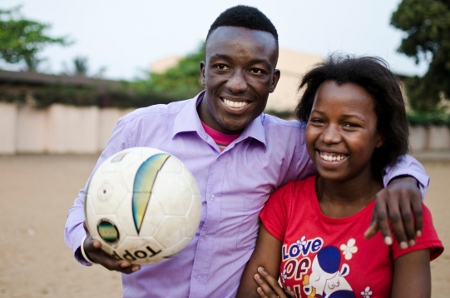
(212, 198)
(205, 237)
(199, 278)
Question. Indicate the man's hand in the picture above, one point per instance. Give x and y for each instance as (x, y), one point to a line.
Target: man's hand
(93, 250)
(401, 203)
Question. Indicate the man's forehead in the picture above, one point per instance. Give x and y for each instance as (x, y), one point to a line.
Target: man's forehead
(232, 35)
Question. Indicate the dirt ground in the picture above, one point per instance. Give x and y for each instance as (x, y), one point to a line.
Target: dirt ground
(36, 192)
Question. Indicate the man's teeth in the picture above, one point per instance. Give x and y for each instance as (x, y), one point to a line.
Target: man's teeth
(235, 104)
(332, 156)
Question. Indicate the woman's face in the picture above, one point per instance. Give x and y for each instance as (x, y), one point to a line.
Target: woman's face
(341, 133)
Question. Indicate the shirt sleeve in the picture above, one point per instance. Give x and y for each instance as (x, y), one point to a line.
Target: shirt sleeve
(428, 240)
(74, 230)
(409, 166)
(274, 214)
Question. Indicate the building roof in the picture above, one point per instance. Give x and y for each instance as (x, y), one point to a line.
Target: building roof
(40, 79)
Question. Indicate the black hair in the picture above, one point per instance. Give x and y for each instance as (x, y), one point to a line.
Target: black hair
(246, 17)
(373, 74)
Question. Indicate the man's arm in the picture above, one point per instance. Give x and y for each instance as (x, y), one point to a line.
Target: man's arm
(75, 233)
(400, 202)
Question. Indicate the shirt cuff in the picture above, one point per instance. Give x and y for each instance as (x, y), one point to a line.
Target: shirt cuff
(408, 166)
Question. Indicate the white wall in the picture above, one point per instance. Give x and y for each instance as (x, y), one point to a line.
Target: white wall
(8, 131)
(59, 129)
(64, 129)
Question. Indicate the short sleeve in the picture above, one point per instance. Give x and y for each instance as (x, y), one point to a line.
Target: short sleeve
(428, 240)
(274, 214)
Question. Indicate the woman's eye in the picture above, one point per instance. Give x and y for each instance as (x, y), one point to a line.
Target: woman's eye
(315, 120)
(350, 125)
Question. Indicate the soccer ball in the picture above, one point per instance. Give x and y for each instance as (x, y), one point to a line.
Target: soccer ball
(143, 205)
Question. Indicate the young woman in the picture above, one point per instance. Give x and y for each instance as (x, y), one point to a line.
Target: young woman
(312, 234)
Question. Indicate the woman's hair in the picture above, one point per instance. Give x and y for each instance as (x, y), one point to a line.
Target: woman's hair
(373, 74)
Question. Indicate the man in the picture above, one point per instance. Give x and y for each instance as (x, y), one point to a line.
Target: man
(238, 156)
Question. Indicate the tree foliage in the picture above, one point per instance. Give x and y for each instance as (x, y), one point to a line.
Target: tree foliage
(80, 65)
(427, 27)
(21, 39)
(179, 82)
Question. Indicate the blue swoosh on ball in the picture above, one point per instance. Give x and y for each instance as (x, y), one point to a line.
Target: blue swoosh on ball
(143, 184)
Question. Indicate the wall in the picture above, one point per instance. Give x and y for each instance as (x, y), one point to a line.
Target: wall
(64, 129)
(59, 129)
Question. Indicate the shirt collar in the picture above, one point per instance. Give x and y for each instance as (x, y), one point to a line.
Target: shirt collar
(188, 121)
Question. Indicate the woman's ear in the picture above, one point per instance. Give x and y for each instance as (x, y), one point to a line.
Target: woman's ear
(381, 140)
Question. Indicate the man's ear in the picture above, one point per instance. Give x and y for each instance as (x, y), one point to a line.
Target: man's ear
(275, 78)
(202, 72)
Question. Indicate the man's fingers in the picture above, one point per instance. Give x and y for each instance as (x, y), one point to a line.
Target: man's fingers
(396, 218)
(408, 223)
(112, 264)
(380, 216)
(94, 251)
(373, 227)
(97, 244)
(418, 212)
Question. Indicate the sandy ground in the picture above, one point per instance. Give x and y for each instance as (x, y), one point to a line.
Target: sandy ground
(36, 191)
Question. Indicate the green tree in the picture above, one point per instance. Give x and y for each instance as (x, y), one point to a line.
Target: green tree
(81, 65)
(179, 82)
(21, 39)
(427, 27)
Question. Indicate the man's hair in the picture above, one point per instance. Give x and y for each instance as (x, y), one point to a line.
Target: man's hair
(246, 17)
(372, 74)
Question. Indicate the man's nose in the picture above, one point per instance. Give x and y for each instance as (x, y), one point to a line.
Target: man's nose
(237, 82)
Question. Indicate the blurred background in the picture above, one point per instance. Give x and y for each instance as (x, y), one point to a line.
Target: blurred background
(69, 70)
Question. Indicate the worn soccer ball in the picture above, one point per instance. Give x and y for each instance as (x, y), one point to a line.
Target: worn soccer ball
(143, 205)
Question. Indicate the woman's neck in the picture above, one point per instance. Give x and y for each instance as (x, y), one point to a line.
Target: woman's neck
(338, 199)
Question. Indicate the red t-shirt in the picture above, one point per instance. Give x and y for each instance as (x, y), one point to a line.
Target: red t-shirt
(329, 257)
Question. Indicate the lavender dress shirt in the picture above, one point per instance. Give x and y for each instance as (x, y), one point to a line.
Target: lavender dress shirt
(234, 185)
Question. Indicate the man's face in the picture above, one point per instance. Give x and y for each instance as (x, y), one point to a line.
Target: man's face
(238, 74)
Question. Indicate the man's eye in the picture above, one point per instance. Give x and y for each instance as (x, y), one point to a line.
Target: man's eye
(257, 71)
(221, 66)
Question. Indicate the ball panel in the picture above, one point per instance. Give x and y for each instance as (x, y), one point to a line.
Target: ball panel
(96, 232)
(171, 230)
(143, 186)
(171, 193)
(154, 217)
(140, 250)
(107, 191)
(108, 231)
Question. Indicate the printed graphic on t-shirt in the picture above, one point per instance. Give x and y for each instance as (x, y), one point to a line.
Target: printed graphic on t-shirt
(312, 269)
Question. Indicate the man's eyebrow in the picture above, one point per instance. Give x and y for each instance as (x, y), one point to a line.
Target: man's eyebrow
(219, 56)
(227, 57)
